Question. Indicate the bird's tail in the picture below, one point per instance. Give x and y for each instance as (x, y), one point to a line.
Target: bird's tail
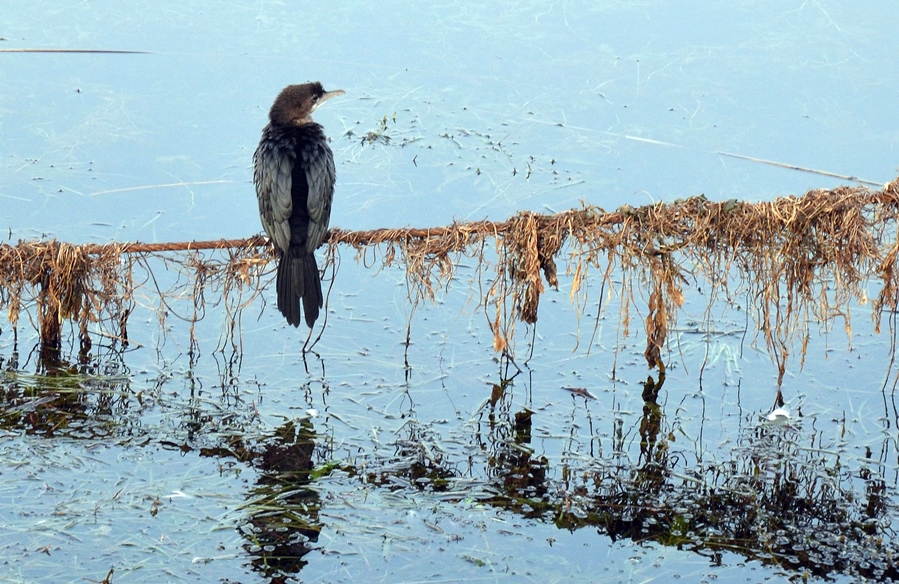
(297, 279)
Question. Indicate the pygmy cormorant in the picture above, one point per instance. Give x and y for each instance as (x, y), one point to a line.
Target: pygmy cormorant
(293, 169)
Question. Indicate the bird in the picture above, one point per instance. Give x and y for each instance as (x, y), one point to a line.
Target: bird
(293, 170)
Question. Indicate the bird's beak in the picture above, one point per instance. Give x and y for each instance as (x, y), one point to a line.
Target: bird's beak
(326, 96)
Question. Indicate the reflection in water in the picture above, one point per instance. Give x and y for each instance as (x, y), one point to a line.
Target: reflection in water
(774, 500)
(84, 398)
(510, 459)
(783, 495)
(419, 461)
(523, 475)
(283, 508)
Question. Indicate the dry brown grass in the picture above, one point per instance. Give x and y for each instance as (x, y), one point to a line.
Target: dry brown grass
(798, 259)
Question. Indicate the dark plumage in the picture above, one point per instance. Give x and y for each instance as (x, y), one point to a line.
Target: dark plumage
(294, 176)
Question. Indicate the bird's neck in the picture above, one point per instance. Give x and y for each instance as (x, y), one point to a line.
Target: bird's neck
(306, 120)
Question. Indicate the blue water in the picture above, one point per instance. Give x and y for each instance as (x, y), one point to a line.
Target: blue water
(489, 111)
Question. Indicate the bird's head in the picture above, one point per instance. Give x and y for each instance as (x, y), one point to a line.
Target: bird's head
(295, 104)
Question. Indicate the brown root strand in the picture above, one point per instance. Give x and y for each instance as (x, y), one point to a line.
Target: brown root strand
(798, 259)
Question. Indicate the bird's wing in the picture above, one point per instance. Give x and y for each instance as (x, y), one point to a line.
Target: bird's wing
(320, 176)
(272, 175)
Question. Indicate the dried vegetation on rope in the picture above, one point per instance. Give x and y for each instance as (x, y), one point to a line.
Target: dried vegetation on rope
(797, 259)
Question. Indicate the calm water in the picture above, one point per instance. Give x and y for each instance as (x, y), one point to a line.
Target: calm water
(167, 466)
